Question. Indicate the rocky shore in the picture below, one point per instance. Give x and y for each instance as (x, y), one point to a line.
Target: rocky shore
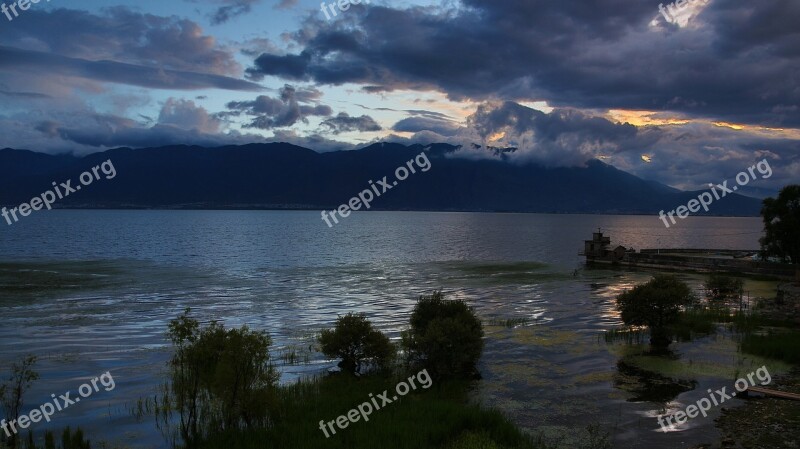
(764, 423)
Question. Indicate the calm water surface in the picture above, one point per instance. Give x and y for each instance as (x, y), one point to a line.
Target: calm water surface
(92, 291)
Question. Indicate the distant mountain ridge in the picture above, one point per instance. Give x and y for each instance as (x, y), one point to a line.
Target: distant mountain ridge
(285, 176)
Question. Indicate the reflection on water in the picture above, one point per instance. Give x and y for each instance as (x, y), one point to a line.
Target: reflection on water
(648, 386)
(98, 297)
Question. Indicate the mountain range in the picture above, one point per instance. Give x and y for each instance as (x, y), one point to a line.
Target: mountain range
(285, 176)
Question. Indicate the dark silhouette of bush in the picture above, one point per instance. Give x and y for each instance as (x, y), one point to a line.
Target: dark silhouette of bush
(718, 287)
(357, 343)
(656, 304)
(782, 225)
(221, 380)
(446, 337)
(12, 393)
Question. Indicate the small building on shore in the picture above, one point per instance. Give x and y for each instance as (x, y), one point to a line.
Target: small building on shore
(599, 249)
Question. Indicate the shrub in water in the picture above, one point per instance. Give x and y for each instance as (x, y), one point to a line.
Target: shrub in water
(656, 304)
(446, 337)
(357, 343)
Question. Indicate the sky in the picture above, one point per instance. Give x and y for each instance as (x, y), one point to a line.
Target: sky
(685, 94)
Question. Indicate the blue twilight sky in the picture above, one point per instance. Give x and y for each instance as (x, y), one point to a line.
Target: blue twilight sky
(682, 95)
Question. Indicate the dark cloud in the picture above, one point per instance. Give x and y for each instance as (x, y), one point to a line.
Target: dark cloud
(423, 120)
(292, 67)
(684, 156)
(315, 142)
(157, 135)
(412, 112)
(227, 9)
(562, 137)
(48, 128)
(180, 122)
(286, 4)
(15, 59)
(26, 95)
(514, 119)
(122, 35)
(231, 9)
(420, 120)
(291, 106)
(429, 114)
(345, 123)
(732, 62)
(416, 124)
(186, 115)
(118, 46)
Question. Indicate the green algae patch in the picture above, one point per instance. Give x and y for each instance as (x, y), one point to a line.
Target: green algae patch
(712, 357)
(545, 337)
(507, 272)
(594, 378)
(496, 331)
(532, 372)
(681, 369)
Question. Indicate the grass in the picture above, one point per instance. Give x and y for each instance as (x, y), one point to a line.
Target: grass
(439, 417)
(783, 346)
(704, 320)
(780, 345)
(294, 355)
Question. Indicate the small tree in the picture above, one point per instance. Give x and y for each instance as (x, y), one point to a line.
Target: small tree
(13, 392)
(356, 342)
(446, 337)
(221, 379)
(656, 304)
(719, 286)
(782, 225)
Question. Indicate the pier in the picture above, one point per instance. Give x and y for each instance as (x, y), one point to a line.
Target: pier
(599, 250)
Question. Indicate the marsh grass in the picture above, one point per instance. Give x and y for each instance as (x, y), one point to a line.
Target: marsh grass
(779, 342)
(781, 345)
(67, 439)
(295, 355)
(439, 417)
(693, 323)
(510, 322)
(627, 335)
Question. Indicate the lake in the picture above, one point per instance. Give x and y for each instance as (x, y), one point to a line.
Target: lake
(93, 291)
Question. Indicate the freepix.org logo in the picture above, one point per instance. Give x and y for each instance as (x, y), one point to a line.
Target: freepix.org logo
(60, 403)
(717, 398)
(46, 199)
(365, 198)
(23, 5)
(342, 5)
(719, 191)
